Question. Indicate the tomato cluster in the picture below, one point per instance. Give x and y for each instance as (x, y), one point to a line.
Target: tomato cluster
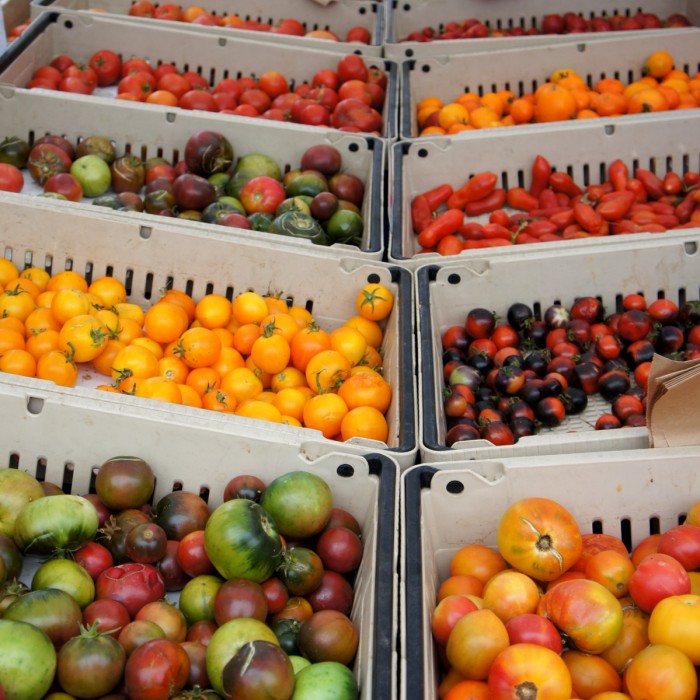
(253, 356)
(553, 612)
(316, 201)
(198, 15)
(555, 23)
(251, 614)
(506, 380)
(349, 97)
(553, 208)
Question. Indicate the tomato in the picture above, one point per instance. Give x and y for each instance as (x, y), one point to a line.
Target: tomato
(11, 561)
(228, 640)
(683, 544)
(11, 178)
(65, 575)
(648, 545)
(675, 621)
(91, 664)
(478, 561)
(156, 670)
(633, 637)
(132, 584)
(146, 543)
(474, 643)
(181, 512)
(239, 598)
(124, 482)
(107, 66)
(585, 611)
(53, 611)
(174, 577)
(334, 592)
(197, 598)
(258, 667)
(523, 669)
(300, 570)
(657, 576)
(374, 301)
(340, 549)
(17, 488)
(539, 537)
(531, 628)
(242, 541)
(660, 672)
(60, 522)
(352, 67)
(509, 594)
(167, 616)
(208, 152)
(328, 635)
(28, 660)
(612, 570)
(108, 616)
(447, 613)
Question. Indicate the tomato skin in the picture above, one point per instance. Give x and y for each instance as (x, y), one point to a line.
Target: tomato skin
(660, 672)
(539, 537)
(524, 668)
(657, 576)
(131, 584)
(675, 621)
(683, 544)
(531, 628)
(156, 670)
(11, 178)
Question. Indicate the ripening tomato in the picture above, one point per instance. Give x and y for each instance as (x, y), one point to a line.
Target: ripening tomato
(675, 621)
(539, 537)
(510, 593)
(447, 613)
(657, 576)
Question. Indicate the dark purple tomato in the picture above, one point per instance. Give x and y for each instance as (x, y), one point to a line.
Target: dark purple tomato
(158, 201)
(193, 191)
(63, 143)
(128, 173)
(146, 543)
(181, 512)
(208, 152)
(550, 411)
(131, 201)
(612, 384)
(498, 433)
(322, 157)
(124, 482)
(235, 220)
(342, 518)
(522, 427)
(259, 669)
(46, 160)
(556, 316)
(509, 380)
(174, 576)
(96, 146)
(574, 399)
(640, 351)
(116, 529)
(197, 654)
(347, 187)
(586, 376)
(11, 560)
(461, 433)
(456, 337)
(244, 486)
(276, 594)
(519, 409)
(519, 316)
(201, 631)
(340, 549)
(587, 308)
(323, 205)
(238, 597)
(669, 339)
(537, 361)
(480, 323)
(328, 635)
(334, 593)
(607, 421)
(562, 365)
(579, 331)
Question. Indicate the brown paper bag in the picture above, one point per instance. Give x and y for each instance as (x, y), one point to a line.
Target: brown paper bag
(673, 403)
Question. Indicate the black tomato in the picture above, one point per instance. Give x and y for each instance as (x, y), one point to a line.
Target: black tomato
(574, 399)
(519, 316)
(480, 323)
(612, 384)
(498, 433)
(550, 411)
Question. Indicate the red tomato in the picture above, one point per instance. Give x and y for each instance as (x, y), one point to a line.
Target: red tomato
(134, 585)
(262, 194)
(156, 670)
(11, 178)
(682, 543)
(657, 576)
(107, 66)
(539, 537)
(352, 67)
(523, 670)
(446, 615)
(531, 628)
(94, 558)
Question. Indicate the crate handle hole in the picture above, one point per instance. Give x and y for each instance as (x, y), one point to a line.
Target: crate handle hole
(145, 232)
(353, 148)
(454, 278)
(425, 68)
(170, 117)
(346, 471)
(581, 48)
(222, 41)
(691, 248)
(609, 129)
(422, 153)
(35, 405)
(455, 487)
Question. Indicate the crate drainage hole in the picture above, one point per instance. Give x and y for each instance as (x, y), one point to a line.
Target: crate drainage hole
(454, 487)
(691, 248)
(145, 232)
(35, 405)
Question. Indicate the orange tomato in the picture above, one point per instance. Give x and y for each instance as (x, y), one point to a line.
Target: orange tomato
(675, 621)
(326, 371)
(660, 672)
(66, 279)
(18, 304)
(109, 289)
(260, 410)
(69, 302)
(591, 674)
(270, 352)
(364, 422)
(213, 311)
(85, 336)
(612, 570)
(41, 319)
(350, 343)
(477, 560)
(555, 103)
(57, 366)
(632, 639)
(103, 362)
(8, 271)
(11, 339)
(367, 388)
(306, 343)
(18, 361)
(446, 614)
(198, 347)
(460, 584)
(370, 329)
(42, 341)
(242, 383)
(468, 690)
(159, 388)
(509, 594)
(325, 412)
(134, 361)
(203, 380)
(658, 64)
(165, 322)
(249, 307)
(219, 400)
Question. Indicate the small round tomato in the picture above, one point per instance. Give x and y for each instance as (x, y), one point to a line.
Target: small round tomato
(539, 537)
(661, 672)
(657, 576)
(11, 178)
(107, 66)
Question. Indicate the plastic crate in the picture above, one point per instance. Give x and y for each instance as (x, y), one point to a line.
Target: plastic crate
(64, 440)
(148, 131)
(630, 494)
(150, 258)
(213, 54)
(663, 267)
(12, 13)
(404, 17)
(337, 17)
(584, 149)
(522, 70)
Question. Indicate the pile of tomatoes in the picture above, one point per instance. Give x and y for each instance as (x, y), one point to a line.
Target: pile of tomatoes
(195, 14)
(265, 587)
(551, 612)
(565, 95)
(349, 97)
(479, 214)
(507, 380)
(555, 23)
(252, 356)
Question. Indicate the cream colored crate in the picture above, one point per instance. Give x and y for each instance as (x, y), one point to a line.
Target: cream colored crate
(628, 494)
(338, 17)
(158, 256)
(665, 266)
(406, 16)
(148, 131)
(64, 439)
(523, 69)
(213, 54)
(584, 149)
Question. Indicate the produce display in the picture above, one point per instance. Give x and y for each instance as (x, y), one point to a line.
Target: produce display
(508, 378)
(554, 23)
(478, 214)
(349, 96)
(563, 96)
(264, 586)
(317, 201)
(554, 612)
(254, 355)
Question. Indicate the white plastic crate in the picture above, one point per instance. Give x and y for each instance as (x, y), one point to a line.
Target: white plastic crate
(665, 266)
(338, 17)
(12, 13)
(158, 256)
(584, 149)
(629, 494)
(406, 16)
(65, 439)
(213, 54)
(522, 70)
(148, 131)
